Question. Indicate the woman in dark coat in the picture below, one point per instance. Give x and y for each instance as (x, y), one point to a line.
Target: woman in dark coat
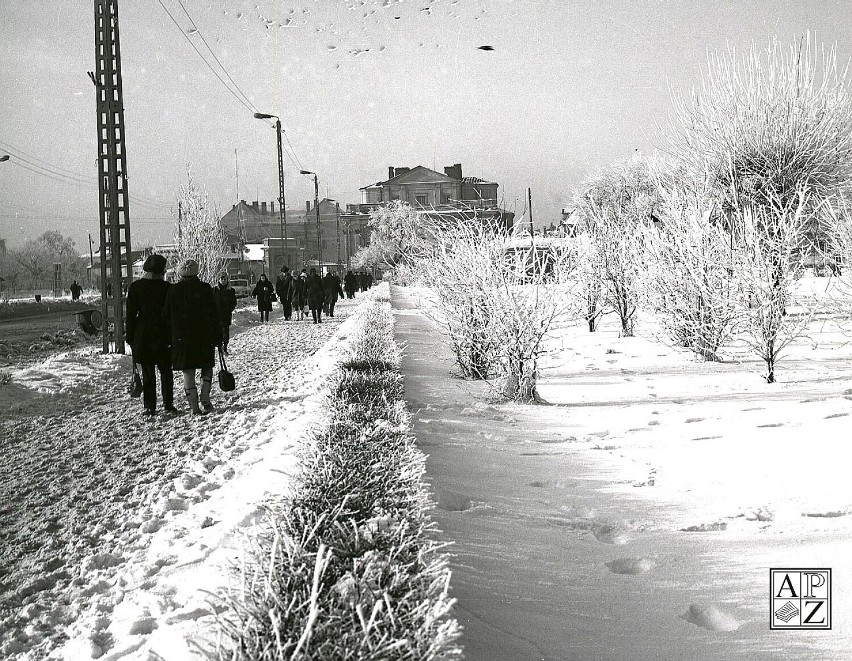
(191, 311)
(331, 284)
(284, 289)
(263, 292)
(149, 335)
(300, 294)
(316, 295)
(350, 284)
(226, 301)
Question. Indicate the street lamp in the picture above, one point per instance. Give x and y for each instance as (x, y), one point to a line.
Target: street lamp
(316, 206)
(282, 201)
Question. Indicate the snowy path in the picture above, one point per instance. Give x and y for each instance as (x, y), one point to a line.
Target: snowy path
(86, 482)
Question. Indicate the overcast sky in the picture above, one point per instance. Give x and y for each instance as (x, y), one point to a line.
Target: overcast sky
(360, 85)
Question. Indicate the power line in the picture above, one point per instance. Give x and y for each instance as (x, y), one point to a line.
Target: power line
(64, 175)
(242, 97)
(195, 27)
(245, 102)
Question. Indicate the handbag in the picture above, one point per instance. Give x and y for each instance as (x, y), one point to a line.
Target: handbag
(226, 380)
(135, 388)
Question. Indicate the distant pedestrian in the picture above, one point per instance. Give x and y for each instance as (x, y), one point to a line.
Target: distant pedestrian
(263, 292)
(300, 294)
(149, 335)
(316, 295)
(76, 290)
(362, 281)
(350, 284)
(368, 277)
(331, 285)
(225, 297)
(284, 289)
(190, 309)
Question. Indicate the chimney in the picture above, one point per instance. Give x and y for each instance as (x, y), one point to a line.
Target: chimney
(308, 205)
(272, 207)
(454, 171)
(254, 205)
(400, 171)
(391, 174)
(263, 208)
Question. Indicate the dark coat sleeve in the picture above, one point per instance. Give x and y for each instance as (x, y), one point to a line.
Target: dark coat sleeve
(132, 315)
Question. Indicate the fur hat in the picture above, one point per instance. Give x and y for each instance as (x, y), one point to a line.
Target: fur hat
(187, 268)
(155, 264)
(224, 276)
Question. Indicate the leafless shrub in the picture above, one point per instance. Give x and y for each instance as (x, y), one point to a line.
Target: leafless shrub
(768, 261)
(614, 206)
(688, 278)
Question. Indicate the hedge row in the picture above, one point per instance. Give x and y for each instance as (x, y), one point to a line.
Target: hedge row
(348, 569)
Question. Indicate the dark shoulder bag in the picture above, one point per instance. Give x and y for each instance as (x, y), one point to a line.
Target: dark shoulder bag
(226, 380)
(135, 383)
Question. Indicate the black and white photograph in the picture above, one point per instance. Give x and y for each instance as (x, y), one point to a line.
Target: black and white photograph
(425, 330)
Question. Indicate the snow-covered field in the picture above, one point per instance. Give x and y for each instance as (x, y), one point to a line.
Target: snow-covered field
(115, 528)
(637, 517)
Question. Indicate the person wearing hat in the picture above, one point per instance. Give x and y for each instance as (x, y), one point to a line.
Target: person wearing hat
(149, 335)
(190, 310)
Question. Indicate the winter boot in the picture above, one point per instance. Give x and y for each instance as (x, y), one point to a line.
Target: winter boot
(206, 385)
(192, 398)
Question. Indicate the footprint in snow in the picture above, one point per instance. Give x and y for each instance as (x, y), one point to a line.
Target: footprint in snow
(631, 566)
(607, 534)
(711, 617)
(689, 420)
(836, 415)
(771, 424)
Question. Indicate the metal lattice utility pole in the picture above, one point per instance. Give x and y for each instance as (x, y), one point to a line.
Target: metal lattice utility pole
(112, 173)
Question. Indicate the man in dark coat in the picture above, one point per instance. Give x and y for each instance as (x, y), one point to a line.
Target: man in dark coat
(316, 295)
(76, 290)
(284, 289)
(331, 284)
(350, 284)
(149, 335)
(226, 301)
(191, 311)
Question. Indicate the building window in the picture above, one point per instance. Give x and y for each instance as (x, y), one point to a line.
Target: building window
(422, 200)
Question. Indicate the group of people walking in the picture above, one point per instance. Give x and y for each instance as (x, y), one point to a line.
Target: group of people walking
(177, 327)
(299, 292)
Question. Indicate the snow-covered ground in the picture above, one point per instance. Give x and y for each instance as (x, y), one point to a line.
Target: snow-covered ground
(116, 528)
(637, 517)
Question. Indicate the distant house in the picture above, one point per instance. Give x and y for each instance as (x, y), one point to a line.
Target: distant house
(448, 194)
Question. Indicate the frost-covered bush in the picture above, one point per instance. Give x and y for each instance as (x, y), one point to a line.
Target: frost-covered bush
(498, 298)
(769, 261)
(614, 206)
(347, 569)
(687, 276)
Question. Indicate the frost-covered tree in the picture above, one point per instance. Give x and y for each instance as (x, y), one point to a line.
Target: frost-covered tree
(761, 128)
(688, 278)
(198, 231)
(500, 300)
(614, 206)
(37, 257)
(768, 261)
